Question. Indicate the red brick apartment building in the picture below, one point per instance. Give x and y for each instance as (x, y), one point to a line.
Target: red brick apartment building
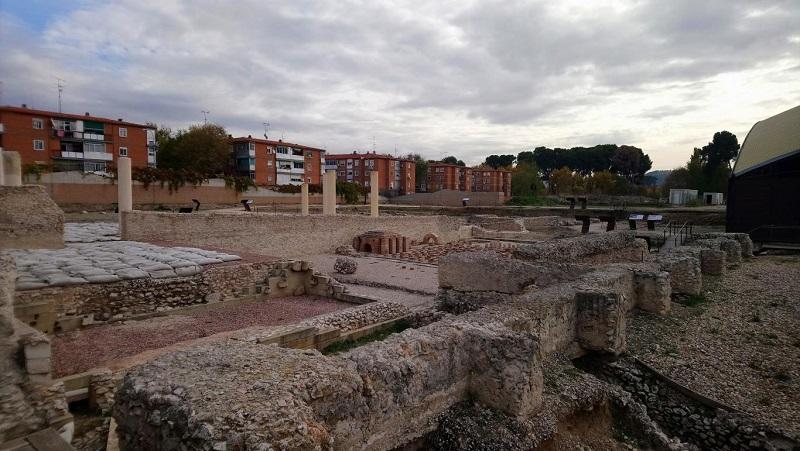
(74, 141)
(277, 162)
(491, 180)
(396, 176)
(448, 176)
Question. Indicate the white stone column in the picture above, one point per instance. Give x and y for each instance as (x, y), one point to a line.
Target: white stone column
(12, 168)
(304, 199)
(124, 190)
(373, 194)
(329, 193)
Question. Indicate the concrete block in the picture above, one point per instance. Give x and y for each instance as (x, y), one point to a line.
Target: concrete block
(39, 350)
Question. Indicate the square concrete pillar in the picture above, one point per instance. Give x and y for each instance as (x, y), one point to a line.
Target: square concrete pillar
(329, 193)
(12, 168)
(124, 190)
(373, 194)
(304, 199)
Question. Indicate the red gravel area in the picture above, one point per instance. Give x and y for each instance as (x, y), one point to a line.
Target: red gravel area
(79, 351)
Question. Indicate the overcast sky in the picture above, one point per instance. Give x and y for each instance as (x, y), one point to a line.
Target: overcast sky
(468, 78)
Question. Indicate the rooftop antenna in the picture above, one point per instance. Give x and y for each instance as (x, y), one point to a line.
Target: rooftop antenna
(60, 84)
(205, 116)
(266, 129)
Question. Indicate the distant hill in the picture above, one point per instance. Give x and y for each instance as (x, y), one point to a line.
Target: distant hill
(657, 178)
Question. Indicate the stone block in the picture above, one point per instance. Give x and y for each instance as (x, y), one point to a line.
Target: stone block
(712, 261)
(490, 271)
(653, 291)
(38, 366)
(40, 350)
(600, 322)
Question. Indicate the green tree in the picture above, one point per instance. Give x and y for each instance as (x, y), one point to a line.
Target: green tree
(561, 181)
(631, 163)
(453, 160)
(601, 182)
(202, 148)
(722, 149)
(525, 181)
(500, 161)
(420, 166)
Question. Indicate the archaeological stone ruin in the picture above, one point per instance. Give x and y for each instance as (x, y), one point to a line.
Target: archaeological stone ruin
(243, 330)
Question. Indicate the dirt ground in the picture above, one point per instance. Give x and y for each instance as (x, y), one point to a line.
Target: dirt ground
(738, 343)
(78, 351)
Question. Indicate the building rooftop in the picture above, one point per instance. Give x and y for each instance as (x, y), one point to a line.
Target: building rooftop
(83, 117)
(365, 155)
(273, 143)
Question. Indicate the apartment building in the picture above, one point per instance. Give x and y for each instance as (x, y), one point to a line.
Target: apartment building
(448, 176)
(487, 179)
(276, 162)
(396, 176)
(73, 141)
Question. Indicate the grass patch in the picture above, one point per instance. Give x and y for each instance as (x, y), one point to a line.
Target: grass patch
(346, 345)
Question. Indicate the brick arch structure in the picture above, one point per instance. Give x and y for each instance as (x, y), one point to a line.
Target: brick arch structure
(380, 242)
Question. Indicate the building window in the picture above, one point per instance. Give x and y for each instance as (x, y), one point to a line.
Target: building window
(252, 175)
(123, 151)
(309, 180)
(283, 150)
(309, 154)
(151, 152)
(298, 164)
(252, 146)
(269, 163)
(357, 162)
(356, 173)
(341, 173)
(38, 123)
(38, 144)
(123, 132)
(269, 178)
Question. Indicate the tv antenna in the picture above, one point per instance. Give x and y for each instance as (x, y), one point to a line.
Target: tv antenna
(60, 85)
(205, 116)
(266, 129)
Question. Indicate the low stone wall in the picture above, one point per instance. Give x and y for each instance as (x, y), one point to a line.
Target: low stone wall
(29, 219)
(703, 424)
(450, 198)
(64, 308)
(599, 248)
(383, 394)
(280, 235)
(29, 400)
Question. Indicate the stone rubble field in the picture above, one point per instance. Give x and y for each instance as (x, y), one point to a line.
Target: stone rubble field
(91, 232)
(109, 261)
(740, 344)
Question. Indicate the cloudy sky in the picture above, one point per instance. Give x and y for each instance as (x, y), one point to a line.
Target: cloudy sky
(468, 78)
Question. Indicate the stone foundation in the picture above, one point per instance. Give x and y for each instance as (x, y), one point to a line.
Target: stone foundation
(57, 309)
(29, 218)
(601, 248)
(280, 235)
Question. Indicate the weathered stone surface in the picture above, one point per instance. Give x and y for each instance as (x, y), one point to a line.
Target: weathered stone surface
(29, 219)
(490, 271)
(594, 248)
(600, 321)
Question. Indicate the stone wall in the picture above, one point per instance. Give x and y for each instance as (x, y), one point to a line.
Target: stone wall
(596, 248)
(701, 423)
(450, 198)
(29, 219)
(64, 308)
(383, 394)
(29, 400)
(280, 235)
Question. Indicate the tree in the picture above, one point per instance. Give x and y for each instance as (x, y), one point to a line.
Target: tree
(453, 160)
(500, 161)
(526, 157)
(561, 181)
(602, 182)
(203, 148)
(631, 163)
(420, 166)
(525, 181)
(722, 149)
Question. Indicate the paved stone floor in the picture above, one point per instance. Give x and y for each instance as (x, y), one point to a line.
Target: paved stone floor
(385, 273)
(90, 232)
(109, 261)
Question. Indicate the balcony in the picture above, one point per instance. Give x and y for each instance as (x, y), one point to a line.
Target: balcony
(103, 156)
(289, 157)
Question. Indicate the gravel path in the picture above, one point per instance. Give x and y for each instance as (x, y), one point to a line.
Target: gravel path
(78, 351)
(741, 346)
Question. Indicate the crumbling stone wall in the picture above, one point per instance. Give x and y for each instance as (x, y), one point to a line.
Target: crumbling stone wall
(284, 235)
(63, 308)
(29, 400)
(29, 218)
(601, 248)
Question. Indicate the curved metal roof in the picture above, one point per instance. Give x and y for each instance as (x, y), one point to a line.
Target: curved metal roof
(770, 140)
